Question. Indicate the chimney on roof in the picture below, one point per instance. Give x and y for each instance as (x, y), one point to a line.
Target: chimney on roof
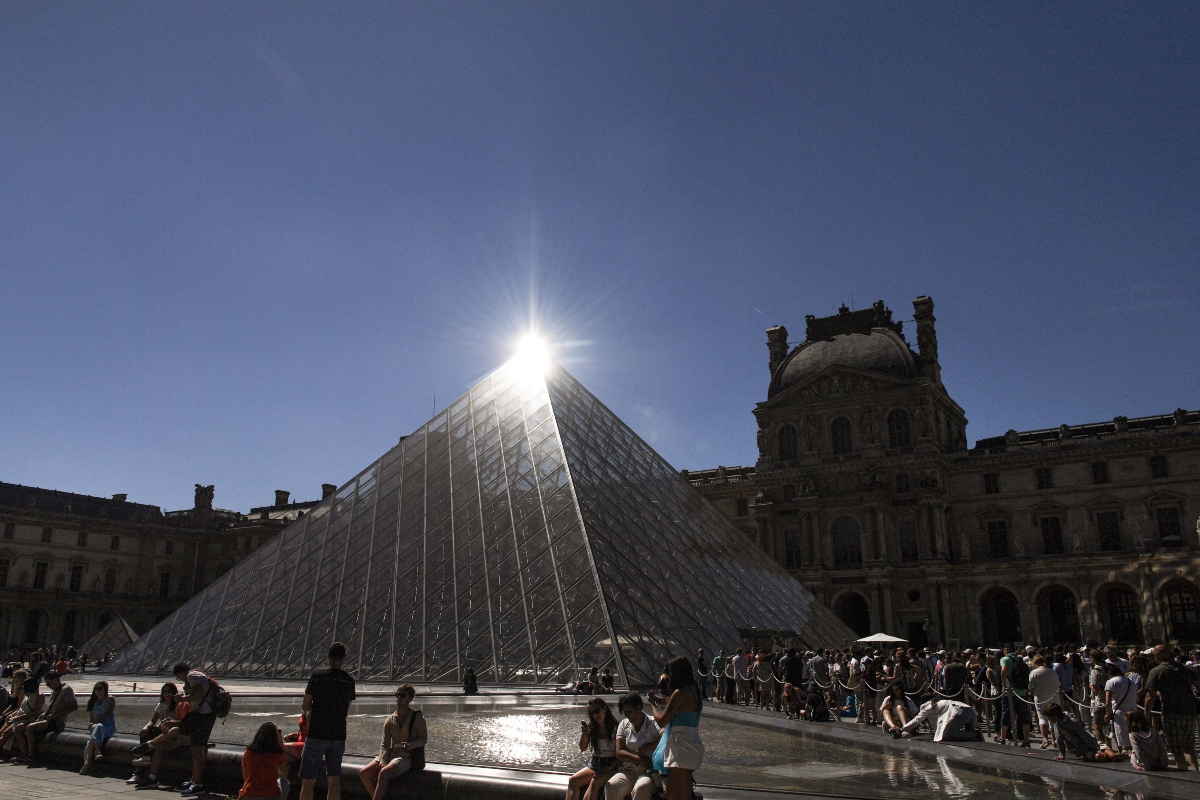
(777, 346)
(927, 338)
(120, 498)
(281, 497)
(327, 489)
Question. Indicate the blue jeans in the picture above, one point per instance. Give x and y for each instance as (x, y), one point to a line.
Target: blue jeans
(100, 734)
(316, 751)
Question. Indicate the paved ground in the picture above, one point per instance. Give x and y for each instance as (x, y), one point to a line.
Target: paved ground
(41, 783)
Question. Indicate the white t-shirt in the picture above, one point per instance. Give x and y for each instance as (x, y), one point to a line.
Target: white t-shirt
(1044, 684)
(634, 739)
(197, 678)
(1124, 693)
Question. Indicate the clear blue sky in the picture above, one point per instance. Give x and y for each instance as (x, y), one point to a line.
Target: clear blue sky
(246, 244)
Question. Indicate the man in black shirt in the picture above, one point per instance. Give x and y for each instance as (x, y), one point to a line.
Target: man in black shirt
(327, 699)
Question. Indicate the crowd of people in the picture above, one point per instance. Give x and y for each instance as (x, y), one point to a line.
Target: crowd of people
(1097, 704)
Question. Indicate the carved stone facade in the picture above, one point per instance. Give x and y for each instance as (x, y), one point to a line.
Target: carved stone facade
(865, 489)
(69, 563)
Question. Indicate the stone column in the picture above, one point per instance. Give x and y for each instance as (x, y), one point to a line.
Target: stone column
(881, 549)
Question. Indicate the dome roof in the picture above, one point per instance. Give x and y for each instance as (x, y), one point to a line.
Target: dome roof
(879, 350)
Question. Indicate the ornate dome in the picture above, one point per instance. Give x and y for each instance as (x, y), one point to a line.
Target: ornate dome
(880, 350)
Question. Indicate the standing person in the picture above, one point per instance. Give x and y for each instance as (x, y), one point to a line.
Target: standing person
(1120, 696)
(1045, 685)
(598, 731)
(702, 671)
(264, 766)
(470, 684)
(718, 670)
(741, 673)
(1172, 683)
(402, 748)
(680, 751)
(764, 679)
(102, 721)
(637, 737)
(327, 700)
(1097, 676)
(1014, 706)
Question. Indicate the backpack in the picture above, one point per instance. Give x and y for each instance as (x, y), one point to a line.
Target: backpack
(1018, 674)
(219, 699)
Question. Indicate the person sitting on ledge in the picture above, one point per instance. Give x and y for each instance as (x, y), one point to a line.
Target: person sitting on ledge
(1073, 737)
(897, 709)
(164, 720)
(953, 721)
(30, 706)
(470, 684)
(264, 766)
(402, 749)
(53, 718)
(102, 722)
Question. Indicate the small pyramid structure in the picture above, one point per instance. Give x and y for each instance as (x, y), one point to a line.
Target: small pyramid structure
(113, 637)
(525, 532)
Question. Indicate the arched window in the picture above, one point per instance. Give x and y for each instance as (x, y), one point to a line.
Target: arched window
(1122, 614)
(840, 430)
(847, 544)
(1001, 617)
(35, 626)
(1181, 609)
(852, 609)
(898, 430)
(787, 443)
(1059, 616)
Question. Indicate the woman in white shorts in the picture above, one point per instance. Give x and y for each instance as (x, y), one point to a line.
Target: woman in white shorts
(680, 751)
(637, 738)
(402, 749)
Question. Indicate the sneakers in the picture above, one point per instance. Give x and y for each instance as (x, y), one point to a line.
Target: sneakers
(142, 761)
(134, 778)
(20, 759)
(194, 790)
(141, 749)
(183, 787)
(144, 782)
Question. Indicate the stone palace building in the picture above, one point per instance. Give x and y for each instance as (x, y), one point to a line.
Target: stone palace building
(69, 563)
(866, 490)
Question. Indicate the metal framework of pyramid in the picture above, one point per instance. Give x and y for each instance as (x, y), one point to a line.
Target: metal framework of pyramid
(112, 638)
(524, 531)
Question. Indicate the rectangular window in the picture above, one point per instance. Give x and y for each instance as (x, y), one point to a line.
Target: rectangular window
(1100, 472)
(115, 544)
(903, 483)
(76, 577)
(110, 580)
(1052, 541)
(10, 529)
(789, 493)
(998, 538)
(4, 562)
(1169, 532)
(170, 548)
(39, 574)
(1045, 478)
(164, 585)
(47, 534)
(991, 483)
(81, 539)
(791, 548)
(1158, 467)
(909, 550)
(1108, 524)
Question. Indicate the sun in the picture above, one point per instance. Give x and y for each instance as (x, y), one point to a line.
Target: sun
(532, 357)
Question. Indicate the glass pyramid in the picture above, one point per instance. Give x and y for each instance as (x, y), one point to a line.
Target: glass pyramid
(522, 532)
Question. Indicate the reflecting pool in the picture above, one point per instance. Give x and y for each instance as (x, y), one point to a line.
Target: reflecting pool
(534, 734)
